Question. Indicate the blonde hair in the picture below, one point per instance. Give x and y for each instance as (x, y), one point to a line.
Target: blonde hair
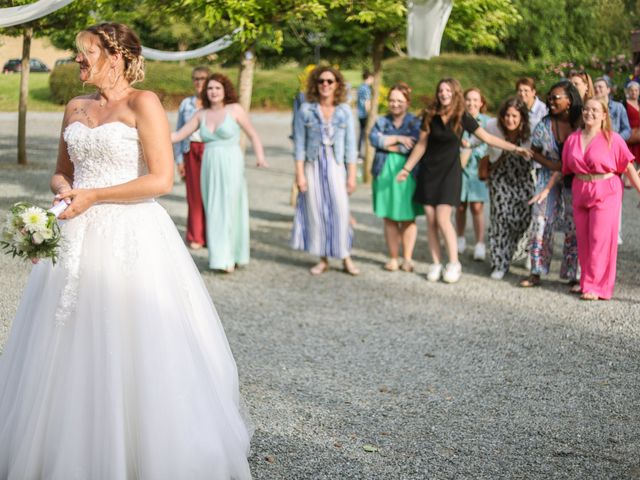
(117, 38)
(605, 126)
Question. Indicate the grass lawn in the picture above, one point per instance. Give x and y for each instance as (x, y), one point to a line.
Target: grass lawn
(38, 93)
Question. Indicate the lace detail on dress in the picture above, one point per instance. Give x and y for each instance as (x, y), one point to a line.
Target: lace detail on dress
(106, 155)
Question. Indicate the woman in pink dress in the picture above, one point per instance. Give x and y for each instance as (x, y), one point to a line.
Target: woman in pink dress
(597, 156)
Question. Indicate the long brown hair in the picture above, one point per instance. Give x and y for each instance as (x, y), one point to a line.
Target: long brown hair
(312, 94)
(230, 95)
(524, 132)
(455, 109)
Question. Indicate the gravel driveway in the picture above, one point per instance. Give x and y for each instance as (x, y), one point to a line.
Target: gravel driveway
(387, 376)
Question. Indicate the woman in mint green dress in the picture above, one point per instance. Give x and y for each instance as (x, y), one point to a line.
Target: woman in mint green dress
(393, 136)
(224, 188)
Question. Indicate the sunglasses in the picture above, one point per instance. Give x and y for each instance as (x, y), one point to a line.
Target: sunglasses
(198, 79)
(328, 81)
(556, 97)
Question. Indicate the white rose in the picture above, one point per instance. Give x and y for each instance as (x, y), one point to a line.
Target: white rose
(37, 238)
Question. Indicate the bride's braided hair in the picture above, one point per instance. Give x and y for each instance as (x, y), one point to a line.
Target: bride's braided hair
(117, 38)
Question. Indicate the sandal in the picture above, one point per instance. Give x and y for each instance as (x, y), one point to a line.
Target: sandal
(407, 266)
(391, 265)
(350, 268)
(319, 268)
(531, 281)
(589, 296)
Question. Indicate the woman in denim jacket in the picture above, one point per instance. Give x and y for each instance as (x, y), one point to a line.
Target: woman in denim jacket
(393, 136)
(324, 141)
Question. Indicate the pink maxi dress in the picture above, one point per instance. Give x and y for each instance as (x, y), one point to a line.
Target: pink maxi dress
(596, 206)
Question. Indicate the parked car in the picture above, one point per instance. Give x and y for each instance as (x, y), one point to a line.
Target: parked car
(15, 65)
(62, 61)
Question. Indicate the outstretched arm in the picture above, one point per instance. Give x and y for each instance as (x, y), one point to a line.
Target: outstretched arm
(187, 129)
(245, 123)
(153, 132)
(494, 141)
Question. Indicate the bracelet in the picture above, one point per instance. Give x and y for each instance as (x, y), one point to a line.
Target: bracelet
(408, 171)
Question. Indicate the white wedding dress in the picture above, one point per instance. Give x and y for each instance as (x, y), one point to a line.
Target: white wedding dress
(117, 366)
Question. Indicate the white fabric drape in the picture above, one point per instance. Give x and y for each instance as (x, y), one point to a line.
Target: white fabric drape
(25, 13)
(213, 47)
(426, 22)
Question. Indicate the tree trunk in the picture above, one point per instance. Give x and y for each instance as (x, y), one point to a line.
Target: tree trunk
(378, 49)
(27, 34)
(182, 47)
(245, 84)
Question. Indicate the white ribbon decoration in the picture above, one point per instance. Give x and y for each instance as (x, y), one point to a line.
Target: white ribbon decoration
(25, 13)
(215, 46)
(11, 16)
(426, 22)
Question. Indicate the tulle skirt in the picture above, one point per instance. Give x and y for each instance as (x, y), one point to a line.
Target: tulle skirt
(117, 366)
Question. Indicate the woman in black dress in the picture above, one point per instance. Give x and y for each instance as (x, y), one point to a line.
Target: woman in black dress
(439, 180)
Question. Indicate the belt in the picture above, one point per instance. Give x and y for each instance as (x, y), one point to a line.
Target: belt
(593, 177)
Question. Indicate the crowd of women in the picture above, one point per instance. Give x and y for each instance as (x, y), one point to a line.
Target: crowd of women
(543, 167)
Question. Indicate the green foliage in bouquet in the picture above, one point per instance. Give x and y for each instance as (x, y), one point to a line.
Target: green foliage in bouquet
(30, 232)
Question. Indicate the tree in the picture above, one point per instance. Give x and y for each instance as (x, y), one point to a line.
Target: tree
(262, 23)
(69, 18)
(381, 20)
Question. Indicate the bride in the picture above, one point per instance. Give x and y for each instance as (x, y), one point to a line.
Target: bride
(117, 366)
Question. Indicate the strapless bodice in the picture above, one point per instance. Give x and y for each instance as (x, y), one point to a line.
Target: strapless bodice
(106, 155)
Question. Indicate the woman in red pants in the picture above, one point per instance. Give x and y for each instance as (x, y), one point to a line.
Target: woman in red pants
(597, 156)
(188, 155)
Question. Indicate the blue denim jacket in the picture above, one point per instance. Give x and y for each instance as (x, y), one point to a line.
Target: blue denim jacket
(384, 126)
(619, 119)
(307, 134)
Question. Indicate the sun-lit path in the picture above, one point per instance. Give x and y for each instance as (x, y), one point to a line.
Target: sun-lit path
(386, 375)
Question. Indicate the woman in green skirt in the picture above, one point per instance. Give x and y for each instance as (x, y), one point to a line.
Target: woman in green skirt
(393, 136)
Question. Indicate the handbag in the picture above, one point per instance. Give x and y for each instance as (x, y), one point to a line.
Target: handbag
(484, 168)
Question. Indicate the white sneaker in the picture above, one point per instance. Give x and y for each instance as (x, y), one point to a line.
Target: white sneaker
(452, 272)
(527, 263)
(435, 270)
(479, 252)
(462, 244)
(497, 274)
(619, 239)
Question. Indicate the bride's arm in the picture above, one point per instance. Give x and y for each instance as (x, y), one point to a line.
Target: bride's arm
(62, 179)
(154, 132)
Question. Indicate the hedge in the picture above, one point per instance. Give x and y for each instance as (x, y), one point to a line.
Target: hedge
(273, 89)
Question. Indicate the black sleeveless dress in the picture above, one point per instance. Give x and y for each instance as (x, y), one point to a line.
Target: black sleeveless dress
(439, 179)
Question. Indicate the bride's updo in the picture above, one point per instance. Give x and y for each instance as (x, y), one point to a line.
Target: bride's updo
(119, 38)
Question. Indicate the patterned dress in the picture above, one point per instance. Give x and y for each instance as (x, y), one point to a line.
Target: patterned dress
(321, 224)
(554, 213)
(510, 189)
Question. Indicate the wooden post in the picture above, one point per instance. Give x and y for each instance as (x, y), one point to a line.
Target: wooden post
(245, 84)
(27, 35)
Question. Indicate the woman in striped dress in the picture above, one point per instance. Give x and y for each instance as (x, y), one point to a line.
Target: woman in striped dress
(324, 141)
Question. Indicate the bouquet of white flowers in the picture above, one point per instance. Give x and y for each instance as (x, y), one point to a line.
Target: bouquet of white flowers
(32, 232)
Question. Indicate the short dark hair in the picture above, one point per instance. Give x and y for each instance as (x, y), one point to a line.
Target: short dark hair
(366, 74)
(230, 95)
(528, 81)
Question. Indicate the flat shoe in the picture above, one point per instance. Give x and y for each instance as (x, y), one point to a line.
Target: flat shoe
(589, 296)
(195, 246)
(407, 266)
(575, 288)
(319, 268)
(391, 265)
(351, 269)
(531, 281)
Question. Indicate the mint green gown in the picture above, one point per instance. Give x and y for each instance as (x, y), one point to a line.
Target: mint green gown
(224, 195)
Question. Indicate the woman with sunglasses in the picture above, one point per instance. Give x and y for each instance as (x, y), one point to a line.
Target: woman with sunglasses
(439, 179)
(552, 203)
(596, 156)
(188, 156)
(324, 141)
